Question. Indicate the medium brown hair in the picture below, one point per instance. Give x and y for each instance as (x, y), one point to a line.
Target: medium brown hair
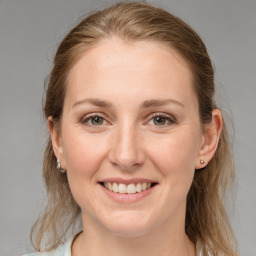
(206, 218)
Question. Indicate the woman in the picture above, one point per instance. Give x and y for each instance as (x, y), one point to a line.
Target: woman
(137, 147)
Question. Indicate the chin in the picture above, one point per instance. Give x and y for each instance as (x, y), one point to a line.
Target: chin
(128, 231)
(128, 226)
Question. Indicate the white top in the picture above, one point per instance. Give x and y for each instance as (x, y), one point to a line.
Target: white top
(65, 250)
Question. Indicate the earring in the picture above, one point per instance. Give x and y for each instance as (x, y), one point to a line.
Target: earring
(202, 162)
(59, 167)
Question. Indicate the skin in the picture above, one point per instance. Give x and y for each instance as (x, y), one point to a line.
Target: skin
(130, 142)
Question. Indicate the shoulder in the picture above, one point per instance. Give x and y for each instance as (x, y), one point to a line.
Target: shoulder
(64, 250)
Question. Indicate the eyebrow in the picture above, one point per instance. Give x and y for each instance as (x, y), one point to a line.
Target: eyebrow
(93, 101)
(159, 103)
(146, 104)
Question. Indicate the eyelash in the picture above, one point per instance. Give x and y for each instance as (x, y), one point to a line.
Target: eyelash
(170, 119)
(89, 117)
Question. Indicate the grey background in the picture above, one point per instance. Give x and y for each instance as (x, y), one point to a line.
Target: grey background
(29, 33)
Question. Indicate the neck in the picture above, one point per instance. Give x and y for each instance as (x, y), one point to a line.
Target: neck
(160, 242)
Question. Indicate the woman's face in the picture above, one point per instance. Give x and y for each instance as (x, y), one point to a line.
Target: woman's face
(130, 124)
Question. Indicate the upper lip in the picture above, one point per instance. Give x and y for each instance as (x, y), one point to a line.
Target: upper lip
(127, 181)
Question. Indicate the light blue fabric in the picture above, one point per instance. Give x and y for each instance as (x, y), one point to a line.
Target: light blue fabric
(64, 250)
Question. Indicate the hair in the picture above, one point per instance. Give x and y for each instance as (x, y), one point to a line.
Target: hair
(206, 218)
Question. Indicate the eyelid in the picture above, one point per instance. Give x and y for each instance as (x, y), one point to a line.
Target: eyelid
(94, 114)
(162, 114)
(169, 117)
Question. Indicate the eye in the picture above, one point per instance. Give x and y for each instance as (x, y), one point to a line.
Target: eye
(97, 120)
(94, 120)
(161, 120)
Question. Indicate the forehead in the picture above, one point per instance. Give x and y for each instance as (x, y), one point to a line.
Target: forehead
(113, 64)
(115, 50)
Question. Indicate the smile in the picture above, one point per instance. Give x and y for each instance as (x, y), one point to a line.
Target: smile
(131, 188)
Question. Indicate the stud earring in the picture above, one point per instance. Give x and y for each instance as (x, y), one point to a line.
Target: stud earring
(59, 166)
(202, 162)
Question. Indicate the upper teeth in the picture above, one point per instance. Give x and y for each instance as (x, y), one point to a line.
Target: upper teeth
(129, 189)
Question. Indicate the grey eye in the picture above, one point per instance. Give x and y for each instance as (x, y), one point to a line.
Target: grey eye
(159, 120)
(97, 120)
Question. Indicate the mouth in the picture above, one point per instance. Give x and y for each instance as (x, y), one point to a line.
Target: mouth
(130, 188)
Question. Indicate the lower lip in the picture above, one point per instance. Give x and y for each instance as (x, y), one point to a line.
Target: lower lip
(127, 198)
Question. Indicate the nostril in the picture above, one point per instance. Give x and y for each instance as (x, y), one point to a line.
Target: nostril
(126, 154)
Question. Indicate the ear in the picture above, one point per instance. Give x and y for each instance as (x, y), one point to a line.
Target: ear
(55, 134)
(210, 140)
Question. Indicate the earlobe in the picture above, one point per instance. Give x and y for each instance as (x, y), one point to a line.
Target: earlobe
(56, 139)
(210, 140)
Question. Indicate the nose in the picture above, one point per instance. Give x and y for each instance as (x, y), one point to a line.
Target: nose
(126, 149)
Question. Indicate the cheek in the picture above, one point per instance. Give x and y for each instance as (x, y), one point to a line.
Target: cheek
(83, 156)
(82, 151)
(78, 157)
(175, 158)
